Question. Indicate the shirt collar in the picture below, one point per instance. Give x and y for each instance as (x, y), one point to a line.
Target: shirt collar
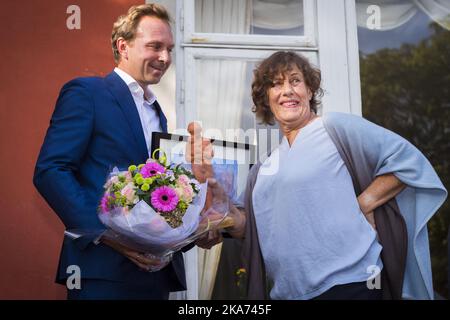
(134, 86)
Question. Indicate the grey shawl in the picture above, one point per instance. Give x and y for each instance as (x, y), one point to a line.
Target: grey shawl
(369, 150)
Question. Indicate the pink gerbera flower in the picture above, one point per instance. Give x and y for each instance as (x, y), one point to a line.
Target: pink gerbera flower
(104, 203)
(151, 169)
(164, 199)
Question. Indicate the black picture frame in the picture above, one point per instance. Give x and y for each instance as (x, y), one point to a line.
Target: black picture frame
(240, 156)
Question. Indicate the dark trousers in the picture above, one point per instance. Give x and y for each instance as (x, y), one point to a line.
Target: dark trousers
(351, 291)
(93, 289)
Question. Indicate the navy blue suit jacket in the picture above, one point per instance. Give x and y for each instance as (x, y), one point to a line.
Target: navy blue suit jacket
(95, 127)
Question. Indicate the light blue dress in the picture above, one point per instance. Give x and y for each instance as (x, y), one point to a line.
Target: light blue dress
(312, 233)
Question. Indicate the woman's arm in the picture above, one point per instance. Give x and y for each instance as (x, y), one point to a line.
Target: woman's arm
(380, 191)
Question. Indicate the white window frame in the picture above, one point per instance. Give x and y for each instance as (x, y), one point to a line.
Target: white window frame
(193, 54)
(187, 41)
(339, 56)
(335, 42)
(306, 40)
(330, 41)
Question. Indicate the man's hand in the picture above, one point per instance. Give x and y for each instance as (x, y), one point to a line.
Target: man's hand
(199, 150)
(143, 261)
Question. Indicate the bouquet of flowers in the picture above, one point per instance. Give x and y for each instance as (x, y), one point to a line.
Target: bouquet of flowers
(155, 207)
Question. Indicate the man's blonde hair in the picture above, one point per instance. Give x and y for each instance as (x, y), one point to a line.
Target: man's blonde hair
(126, 25)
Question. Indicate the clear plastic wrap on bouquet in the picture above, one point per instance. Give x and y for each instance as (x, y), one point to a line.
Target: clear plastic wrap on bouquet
(144, 230)
(156, 208)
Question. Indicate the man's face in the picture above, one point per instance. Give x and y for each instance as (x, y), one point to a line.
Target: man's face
(148, 56)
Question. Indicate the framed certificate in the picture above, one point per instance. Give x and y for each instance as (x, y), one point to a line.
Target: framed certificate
(231, 163)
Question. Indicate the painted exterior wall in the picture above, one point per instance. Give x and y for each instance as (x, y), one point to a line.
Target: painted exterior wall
(39, 54)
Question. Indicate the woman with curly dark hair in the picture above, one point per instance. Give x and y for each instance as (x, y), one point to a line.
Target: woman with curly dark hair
(269, 75)
(340, 203)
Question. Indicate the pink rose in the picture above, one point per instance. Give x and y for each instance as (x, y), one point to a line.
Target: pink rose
(129, 192)
(183, 179)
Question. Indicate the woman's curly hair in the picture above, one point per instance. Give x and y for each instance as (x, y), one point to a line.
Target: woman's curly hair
(279, 63)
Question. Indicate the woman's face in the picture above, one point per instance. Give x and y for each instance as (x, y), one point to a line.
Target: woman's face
(289, 98)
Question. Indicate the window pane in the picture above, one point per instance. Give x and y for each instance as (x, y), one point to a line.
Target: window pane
(268, 17)
(223, 96)
(405, 81)
(223, 101)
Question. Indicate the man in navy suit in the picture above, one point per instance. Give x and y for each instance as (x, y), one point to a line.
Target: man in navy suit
(100, 123)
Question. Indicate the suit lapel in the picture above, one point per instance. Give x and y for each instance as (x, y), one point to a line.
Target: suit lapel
(122, 93)
(162, 117)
